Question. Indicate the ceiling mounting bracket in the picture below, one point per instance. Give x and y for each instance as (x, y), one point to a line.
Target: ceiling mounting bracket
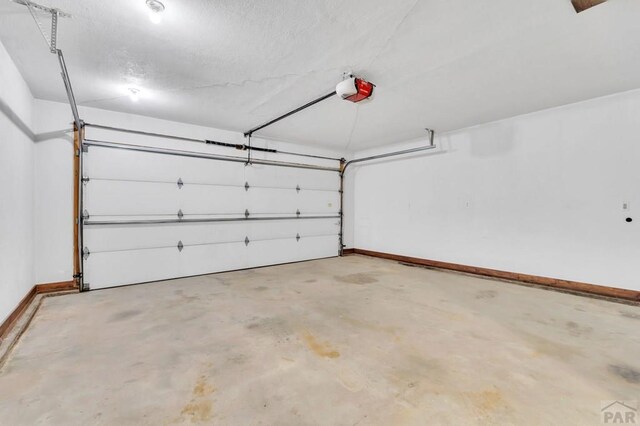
(52, 39)
(52, 43)
(54, 32)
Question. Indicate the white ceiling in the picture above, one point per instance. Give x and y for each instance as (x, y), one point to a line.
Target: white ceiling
(234, 64)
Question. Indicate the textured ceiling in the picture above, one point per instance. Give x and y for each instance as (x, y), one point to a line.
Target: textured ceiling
(234, 64)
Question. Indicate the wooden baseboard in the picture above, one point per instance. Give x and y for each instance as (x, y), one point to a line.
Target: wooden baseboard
(573, 286)
(14, 316)
(348, 251)
(17, 312)
(59, 286)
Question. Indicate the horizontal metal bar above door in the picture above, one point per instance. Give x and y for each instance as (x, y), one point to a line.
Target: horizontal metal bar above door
(205, 141)
(195, 154)
(204, 220)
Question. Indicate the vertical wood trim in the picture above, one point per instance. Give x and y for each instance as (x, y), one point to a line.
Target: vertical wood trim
(77, 152)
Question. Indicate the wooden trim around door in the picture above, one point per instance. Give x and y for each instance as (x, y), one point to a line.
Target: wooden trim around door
(77, 152)
(573, 286)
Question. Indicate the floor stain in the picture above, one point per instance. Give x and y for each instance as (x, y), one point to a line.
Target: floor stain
(124, 315)
(486, 294)
(577, 330)
(320, 349)
(198, 411)
(261, 288)
(416, 370)
(357, 323)
(486, 401)
(359, 278)
(631, 315)
(542, 346)
(275, 327)
(199, 408)
(630, 375)
(488, 406)
(311, 281)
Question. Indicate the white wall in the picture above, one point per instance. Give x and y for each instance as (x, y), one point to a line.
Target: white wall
(16, 187)
(538, 194)
(54, 176)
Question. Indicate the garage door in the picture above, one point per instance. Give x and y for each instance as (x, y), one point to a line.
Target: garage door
(153, 213)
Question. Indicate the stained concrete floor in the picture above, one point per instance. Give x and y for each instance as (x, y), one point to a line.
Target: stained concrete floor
(343, 341)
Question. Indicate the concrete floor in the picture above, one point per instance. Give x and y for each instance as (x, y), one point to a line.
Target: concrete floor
(345, 341)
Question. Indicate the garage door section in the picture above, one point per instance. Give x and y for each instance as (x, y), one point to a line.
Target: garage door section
(155, 214)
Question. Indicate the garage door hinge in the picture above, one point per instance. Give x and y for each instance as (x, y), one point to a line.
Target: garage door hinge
(180, 214)
(85, 253)
(86, 286)
(85, 179)
(180, 183)
(85, 148)
(297, 237)
(246, 186)
(85, 214)
(180, 246)
(297, 188)
(298, 212)
(246, 241)
(246, 213)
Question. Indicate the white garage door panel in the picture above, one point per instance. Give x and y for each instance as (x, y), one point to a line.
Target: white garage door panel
(137, 186)
(207, 259)
(128, 267)
(114, 238)
(272, 201)
(108, 198)
(136, 266)
(113, 163)
(319, 202)
(291, 228)
(288, 177)
(289, 201)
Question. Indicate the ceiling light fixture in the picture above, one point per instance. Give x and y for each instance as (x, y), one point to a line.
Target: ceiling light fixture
(134, 94)
(156, 10)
